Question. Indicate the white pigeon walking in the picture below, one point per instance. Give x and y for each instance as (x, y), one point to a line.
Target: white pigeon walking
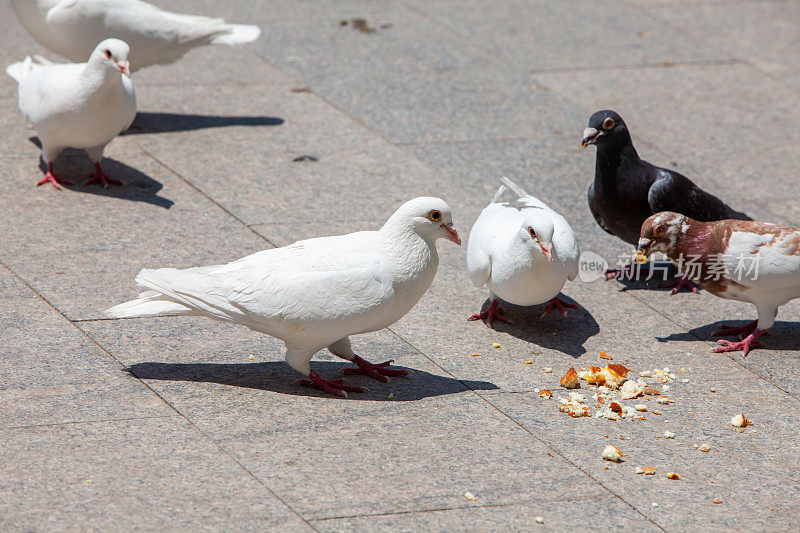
(523, 251)
(78, 105)
(314, 293)
(72, 28)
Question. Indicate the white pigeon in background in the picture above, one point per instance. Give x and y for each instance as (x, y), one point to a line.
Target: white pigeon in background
(72, 28)
(314, 293)
(78, 105)
(523, 251)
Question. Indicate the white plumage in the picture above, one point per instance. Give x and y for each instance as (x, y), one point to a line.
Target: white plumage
(314, 293)
(508, 252)
(78, 105)
(71, 28)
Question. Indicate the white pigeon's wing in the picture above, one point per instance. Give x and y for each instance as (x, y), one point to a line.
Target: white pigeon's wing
(154, 35)
(319, 281)
(48, 91)
(766, 259)
(482, 238)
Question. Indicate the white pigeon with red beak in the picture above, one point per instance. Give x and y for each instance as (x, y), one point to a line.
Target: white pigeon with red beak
(524, 252)
(315, 293)
(78, 105)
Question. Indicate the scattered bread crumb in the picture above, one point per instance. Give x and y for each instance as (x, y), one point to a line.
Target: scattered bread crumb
(703, 448)
(612, 453)
(716, 500)
(570, 379)
(471, 497)
(740, 421)
(495, 345)
(669, 435)
(712, 389)
(545, 393)
(673, 475)
(539, 520)
(649, 470)
(528, 362)
(476, 354)
(640, 470)
(640, 407)
(604, 355)
(630, 390)
(547, 370)
(655, 412)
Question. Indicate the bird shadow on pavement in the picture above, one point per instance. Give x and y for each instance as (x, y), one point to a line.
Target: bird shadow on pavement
(782, 336)
(663, 272)
(171, 122)
(74, 165)
(554, 332)
(277, 376)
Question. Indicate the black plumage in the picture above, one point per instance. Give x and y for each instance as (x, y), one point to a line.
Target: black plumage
(627, 190)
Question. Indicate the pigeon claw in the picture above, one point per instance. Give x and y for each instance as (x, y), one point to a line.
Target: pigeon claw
(99, 175)
(51, 178)
(678, 285)
(560, 305)
(744, 345)
(336, 387)
(378, 371)
(741, 331)
(494, 312)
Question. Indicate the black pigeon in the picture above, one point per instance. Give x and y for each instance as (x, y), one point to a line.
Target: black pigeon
(627, 190)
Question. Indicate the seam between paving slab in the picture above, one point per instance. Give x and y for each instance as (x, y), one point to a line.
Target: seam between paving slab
(75, 422)
(705, 42)
(162, 398)
(522, 426)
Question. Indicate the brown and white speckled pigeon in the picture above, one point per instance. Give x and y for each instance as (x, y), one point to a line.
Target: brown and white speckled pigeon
(756, 262)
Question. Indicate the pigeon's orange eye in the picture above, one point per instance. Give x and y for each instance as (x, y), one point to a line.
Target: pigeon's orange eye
(108, 54)
(435, 216)
(659, 231)
(531, 232)
(608, 123)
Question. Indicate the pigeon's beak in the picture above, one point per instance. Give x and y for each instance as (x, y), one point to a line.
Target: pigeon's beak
(452, 234)
(124, 67)
(547, 250)
(590, 136)
(643, 245)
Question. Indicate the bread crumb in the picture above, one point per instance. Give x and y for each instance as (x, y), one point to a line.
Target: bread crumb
(604, 355)
(673, 475)
(539, 520)
(476, 354)
(716, 500)
(471, 497)
(740, 421)
(655, 412)
(570, 379)
(612, 453)
(630, 390)
(640, 470)
(546, 394)
(528, 362)
(669, 435)
(547, 370)
(664, 400)
(703, 448)
(645, 373)
(649, 470)
(640, 407)
(712, 389)
(495, 345)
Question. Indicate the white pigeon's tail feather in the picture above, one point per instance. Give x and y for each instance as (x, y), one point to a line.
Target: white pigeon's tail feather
(519, 191)
(498, 194)
(20, 69)
(237, 34)
(149, 303)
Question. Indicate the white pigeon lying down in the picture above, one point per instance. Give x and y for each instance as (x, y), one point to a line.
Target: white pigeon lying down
(523, 251)
(313, 293)
(756, 262)
(71, 28)
(78, 105)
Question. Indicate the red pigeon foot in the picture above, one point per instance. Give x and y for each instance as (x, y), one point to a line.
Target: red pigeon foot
(100, 175)
(741, 331)
(678, 285)
(378, 371)
(560, 305)
(494, 312)
(745, 345)
(337, 387)
(621, 273)
(51, 177)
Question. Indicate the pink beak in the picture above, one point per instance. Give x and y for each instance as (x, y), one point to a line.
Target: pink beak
(453, 234)
(125, 68)
(547, 249)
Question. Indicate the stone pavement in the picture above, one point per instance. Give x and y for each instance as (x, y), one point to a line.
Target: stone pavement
(167, 424)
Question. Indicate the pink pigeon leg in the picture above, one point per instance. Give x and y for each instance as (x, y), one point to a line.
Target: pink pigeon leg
(494, 312)
(625, 272)
(678, 285)
(378, 371)
(560, 305)
(742, 331)
(51, 177)
(745, 345)
(336, 386)
(100, 175)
